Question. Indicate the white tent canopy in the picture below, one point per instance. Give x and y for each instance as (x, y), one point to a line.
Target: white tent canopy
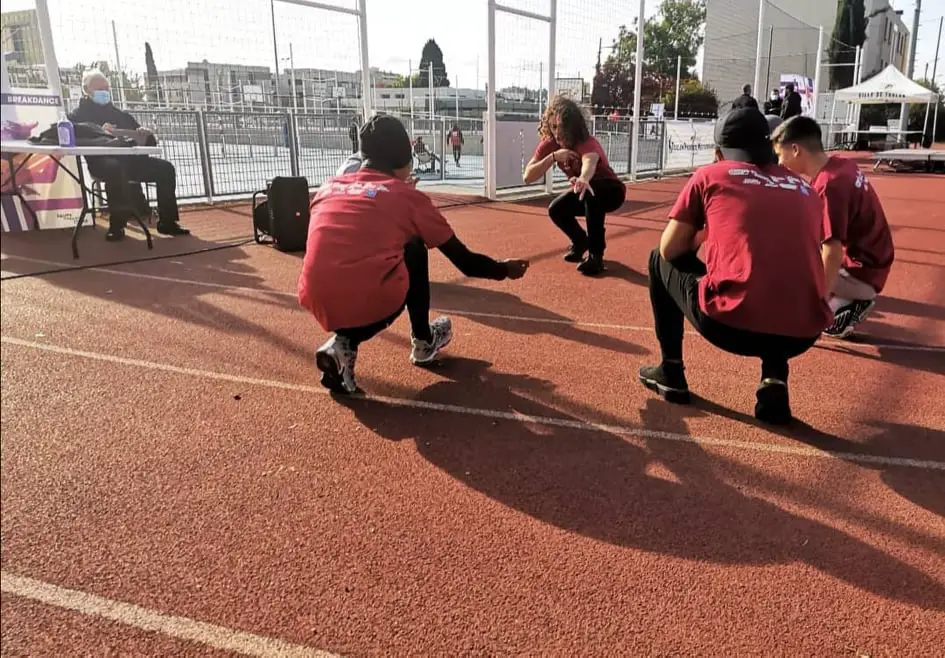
(888, 86)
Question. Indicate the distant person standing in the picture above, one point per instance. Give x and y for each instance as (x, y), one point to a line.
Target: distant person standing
(773, 104)
(456, 141)
(745, 100)
(791, 106)
(353, 136)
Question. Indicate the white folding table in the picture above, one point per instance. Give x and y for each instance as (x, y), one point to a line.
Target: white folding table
(9, 148)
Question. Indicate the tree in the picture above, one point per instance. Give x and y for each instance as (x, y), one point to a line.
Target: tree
(151, 73)
(431, 54)
(676, 31)
(695, 99)
(917, 120)
(849, 31)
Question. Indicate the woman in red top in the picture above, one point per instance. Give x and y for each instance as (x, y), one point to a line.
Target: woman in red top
(595, 188)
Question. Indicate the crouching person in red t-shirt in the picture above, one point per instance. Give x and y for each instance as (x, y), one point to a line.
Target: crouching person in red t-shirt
(858, 250)
(761, 290)
(366, 257)
(595, 188)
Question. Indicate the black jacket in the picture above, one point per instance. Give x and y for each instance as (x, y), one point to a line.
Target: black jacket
(791, 107)
(89, 112)
(745, 101)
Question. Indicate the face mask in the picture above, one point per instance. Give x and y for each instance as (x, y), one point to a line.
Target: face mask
(774, 96)
(101, 97)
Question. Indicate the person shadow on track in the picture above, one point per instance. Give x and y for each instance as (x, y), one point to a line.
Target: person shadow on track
(600, 484)
(507, 312)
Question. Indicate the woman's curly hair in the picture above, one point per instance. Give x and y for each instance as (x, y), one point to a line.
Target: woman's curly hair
(571, 119)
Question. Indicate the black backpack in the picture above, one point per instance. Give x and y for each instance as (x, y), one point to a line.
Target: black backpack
(281, 213)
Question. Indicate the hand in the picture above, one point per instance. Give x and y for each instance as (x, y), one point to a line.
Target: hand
(563, 155)
(515, 268)
(144, 132)
(108, 127)
(580, 187)
(411, 181)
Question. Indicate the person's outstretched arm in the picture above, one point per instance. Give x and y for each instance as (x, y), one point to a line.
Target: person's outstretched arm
(436, 233)
(480, 266)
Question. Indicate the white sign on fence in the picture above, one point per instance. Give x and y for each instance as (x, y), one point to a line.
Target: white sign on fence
(688, 144)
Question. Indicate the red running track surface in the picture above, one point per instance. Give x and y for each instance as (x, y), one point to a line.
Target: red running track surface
(176, 483)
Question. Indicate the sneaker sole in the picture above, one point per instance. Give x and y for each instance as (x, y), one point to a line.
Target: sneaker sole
(331, 377)
(674, 395)
(430, 359)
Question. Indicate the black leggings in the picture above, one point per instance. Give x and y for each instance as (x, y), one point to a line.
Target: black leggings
(417, 303)
(608, 196)
(674, 294)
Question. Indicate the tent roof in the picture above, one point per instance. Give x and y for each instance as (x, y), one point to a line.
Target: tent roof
(887, 86)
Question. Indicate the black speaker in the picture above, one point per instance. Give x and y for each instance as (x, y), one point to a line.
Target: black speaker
(281, 213)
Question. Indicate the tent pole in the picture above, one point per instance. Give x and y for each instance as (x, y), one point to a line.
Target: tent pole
(935, 120)
(925, 123)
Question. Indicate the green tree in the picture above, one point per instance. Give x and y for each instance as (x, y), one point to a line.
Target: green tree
(431, 54)
(917, 120)
(677, 30)
(695, 99)
(849, 31)
(151, 74)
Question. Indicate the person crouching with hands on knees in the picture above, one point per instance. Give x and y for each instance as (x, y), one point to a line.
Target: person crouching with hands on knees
(761, 290)
(595, 188)
(366, 257)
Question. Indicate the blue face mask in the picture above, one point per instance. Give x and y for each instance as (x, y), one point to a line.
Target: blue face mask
(101, 97)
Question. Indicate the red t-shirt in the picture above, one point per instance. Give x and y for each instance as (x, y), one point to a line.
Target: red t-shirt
(855, 217)
(353, 273)
(762, 248)
(603, 172)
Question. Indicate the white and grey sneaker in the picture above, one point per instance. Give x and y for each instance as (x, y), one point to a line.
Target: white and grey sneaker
(847, 317)
(336, 360)
(423, 352)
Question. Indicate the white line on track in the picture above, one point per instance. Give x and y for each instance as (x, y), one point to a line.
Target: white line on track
(847, 346)
(218, 637)
(623, 430)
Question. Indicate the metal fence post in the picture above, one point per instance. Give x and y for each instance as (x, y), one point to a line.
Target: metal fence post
(290, 118)
(205, 166)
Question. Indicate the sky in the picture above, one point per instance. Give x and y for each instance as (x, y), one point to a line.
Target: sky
(240, 31)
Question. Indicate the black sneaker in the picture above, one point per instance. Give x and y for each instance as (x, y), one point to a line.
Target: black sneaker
(847, 317)
(773, 405)
(168, 228)
(116, 232)
(592, 265)
(576, 253)
(668, 380)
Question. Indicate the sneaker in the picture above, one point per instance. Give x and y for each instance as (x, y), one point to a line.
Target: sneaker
(423, 352)
(115, 233)
(847, 317)
(592, 265)
(171, 228)
(773, 405)
(336, 361)
(576, 253)
(668, 380)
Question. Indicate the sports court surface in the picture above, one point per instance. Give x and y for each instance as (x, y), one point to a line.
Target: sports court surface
(175, 481)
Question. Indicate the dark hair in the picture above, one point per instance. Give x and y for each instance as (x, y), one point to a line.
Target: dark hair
(385, 144)
(799, 130)
(571, 119)
(789, 86)
(746, 89)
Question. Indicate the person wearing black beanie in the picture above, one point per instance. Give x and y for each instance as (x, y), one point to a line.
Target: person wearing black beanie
(366, 258)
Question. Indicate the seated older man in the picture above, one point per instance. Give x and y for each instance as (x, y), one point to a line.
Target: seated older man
(117, 171)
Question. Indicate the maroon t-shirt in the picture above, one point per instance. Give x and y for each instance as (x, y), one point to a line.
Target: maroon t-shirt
(762, 248)
(855, 217)
(591, 145)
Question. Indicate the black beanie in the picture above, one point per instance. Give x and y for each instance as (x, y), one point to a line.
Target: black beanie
(385, 144)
